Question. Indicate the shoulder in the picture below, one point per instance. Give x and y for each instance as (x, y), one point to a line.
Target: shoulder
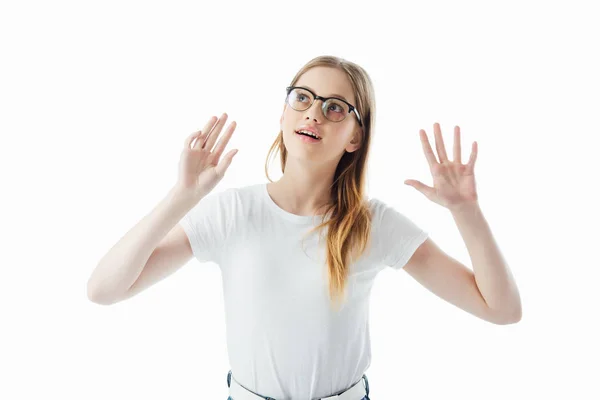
(397, 236)
(232, 202)
(390, 218)
(378, 208)
(233, 194)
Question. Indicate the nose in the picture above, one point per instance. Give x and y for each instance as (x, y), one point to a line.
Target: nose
(315, 111)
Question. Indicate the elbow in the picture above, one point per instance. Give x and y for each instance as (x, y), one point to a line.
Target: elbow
(516, 316)
(95, 297)
(99, 300)
(508, 318)
(92, 293)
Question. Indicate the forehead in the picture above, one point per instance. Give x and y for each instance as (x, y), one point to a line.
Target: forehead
(327, 82)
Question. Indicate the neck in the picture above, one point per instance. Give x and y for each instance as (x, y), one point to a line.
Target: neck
(302, 193)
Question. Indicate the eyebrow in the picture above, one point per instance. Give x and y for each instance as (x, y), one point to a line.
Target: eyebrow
(332, 95)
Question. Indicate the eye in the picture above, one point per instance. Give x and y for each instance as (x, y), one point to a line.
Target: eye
(339, 108)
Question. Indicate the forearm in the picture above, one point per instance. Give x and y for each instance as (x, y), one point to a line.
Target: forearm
(120, 267)
(492, 274)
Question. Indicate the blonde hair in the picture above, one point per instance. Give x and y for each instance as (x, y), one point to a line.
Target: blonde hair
(349, 225)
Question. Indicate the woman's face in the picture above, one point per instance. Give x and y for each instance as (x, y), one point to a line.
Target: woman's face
(336, 137)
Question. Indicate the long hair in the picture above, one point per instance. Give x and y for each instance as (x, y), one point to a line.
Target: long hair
(349, 223)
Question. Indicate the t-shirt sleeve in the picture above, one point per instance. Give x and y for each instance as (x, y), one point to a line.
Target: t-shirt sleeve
(207, 223)
(398, 236)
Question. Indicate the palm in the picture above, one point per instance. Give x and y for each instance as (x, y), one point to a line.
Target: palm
(453, 182)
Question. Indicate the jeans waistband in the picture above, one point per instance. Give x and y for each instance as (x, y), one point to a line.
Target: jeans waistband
(364, 379)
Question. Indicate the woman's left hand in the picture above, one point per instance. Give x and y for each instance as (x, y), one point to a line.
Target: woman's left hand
(453, 182)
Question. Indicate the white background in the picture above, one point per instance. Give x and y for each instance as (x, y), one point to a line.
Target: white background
(96, 99)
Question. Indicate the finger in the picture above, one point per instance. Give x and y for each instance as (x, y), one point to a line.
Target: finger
(223, 141)
(457, 150)
(221, 168)
(205, 132)
(427, 149)
(187, 143)
(214, 134)
(473, 158)
(439, 143)
(421, 187)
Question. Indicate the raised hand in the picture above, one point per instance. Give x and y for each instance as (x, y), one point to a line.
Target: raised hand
(453, 182)
(199, 167)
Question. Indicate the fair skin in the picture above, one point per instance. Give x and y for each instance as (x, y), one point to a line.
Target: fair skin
(488, 290)
(304, 188)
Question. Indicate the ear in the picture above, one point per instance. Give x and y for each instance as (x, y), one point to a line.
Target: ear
(356, 141)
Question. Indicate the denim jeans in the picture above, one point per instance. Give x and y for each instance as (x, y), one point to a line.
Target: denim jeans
(269, 398)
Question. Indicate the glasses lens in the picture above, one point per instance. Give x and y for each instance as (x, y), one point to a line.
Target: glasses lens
(336, 110)
(300, 100)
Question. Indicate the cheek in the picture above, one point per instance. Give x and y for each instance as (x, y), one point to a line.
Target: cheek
(288, 123)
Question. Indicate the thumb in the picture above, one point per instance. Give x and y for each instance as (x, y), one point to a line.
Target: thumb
(419, 186)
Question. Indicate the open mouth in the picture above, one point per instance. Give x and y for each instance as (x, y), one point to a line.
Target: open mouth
(308, 135)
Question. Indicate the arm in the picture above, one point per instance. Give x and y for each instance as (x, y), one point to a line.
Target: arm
(119, 269)
(489, 291)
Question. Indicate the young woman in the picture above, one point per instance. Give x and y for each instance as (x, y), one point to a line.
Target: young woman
(299, 256)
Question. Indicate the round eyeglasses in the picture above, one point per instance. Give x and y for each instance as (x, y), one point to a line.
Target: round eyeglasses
(334, 109)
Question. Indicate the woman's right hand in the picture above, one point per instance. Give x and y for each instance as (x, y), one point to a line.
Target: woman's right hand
(199, 167)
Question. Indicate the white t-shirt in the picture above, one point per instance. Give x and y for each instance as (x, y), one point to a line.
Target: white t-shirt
(284, 339)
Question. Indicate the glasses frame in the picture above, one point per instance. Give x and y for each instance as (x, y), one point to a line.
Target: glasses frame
(323, 100)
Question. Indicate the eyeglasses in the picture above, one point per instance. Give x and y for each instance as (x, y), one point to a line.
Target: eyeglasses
(334, 109)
